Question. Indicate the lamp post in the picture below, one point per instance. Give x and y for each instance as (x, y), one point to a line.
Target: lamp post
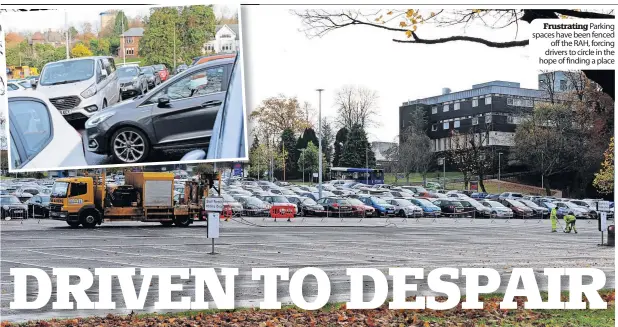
(367, 163)
(499, 168)
(444, 173)
(320, 142)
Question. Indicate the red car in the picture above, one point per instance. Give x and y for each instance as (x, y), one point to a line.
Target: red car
(359, 209)
(161, 69)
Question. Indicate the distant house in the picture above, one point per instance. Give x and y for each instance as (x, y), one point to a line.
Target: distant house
(226, 40)
(129, 42)
(37, 38)
(382, 152)
(51, 37)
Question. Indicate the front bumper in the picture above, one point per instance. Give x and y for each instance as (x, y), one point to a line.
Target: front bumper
(62, 215)
(97, 138)
(84, 109)
(130, 89)
(16, 213)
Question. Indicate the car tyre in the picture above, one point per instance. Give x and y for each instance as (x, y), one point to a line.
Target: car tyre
(402, 213)
(167, 223)
(137, 141)
(73, 224)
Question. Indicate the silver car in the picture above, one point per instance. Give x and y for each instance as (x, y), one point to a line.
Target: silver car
(405, 208)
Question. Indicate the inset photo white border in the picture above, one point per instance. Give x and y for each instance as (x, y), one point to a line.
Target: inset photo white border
(64, 131)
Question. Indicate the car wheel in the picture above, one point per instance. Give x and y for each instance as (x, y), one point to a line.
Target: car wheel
(402, 213)
(73, 224)
(129, 145)
(167, 223)
(493, 214)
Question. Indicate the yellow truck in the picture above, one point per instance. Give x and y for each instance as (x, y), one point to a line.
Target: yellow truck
(145, 196)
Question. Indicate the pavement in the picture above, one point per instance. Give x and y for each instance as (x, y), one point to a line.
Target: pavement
(331, 244)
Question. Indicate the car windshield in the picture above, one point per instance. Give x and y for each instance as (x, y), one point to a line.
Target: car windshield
(404, 203)
(128, 72)
(158, 67)
(309, 201)
(517, 203)
(253, 201)
(425, 202)
(45, 199)
(455, 203)
(571, 205)
(280, 199)
(227, 198)
(60, 189)
(379, 201)
(147, 70)
(9, 200)
(494, 204)
(355, 202)
(67, 72)
(342, 201)
(25, 84)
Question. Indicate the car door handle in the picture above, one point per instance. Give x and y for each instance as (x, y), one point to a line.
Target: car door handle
(212, 103)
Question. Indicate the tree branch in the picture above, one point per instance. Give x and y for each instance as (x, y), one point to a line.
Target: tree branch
(509, 44)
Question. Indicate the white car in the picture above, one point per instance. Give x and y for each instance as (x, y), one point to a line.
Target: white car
(40, 138)
(79, 87)
(459, 196)
(17, 85)
(405, 208)
(498, 209)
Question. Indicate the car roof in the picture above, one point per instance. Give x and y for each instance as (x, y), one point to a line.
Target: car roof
(80, 58)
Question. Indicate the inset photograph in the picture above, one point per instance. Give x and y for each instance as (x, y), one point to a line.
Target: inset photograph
(92, 87)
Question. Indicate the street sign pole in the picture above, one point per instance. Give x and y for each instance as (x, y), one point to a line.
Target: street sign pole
(213, 205)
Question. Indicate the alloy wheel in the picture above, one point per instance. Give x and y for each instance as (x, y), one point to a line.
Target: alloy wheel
(129, 146)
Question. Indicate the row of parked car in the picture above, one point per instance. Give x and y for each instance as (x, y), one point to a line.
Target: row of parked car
(348, 198)
(164, 112)
(25, 198)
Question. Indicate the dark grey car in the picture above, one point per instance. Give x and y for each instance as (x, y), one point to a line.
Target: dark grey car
(179, 113)
(152, 77)
(132, 81)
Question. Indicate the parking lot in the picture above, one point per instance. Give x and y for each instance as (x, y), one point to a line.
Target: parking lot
(331, 244)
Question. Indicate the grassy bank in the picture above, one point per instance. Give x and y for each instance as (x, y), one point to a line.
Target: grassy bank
(338, 315)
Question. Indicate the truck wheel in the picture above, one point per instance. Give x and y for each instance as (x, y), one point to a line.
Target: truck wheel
(167, 223)
(89, 218)
(182, 221)
(73, 224)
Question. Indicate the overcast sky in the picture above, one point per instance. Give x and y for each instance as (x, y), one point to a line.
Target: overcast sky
(281, 59)
(44, 20)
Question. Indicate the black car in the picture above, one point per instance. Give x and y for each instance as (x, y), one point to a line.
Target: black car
(38, 206)
(152, 77)
(450, 208)
(11, 207)
(306, 206)
(180, 69)
(179, 113)
(132, 81)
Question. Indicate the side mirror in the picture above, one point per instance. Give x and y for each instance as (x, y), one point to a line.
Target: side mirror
(141, 73)
(33, 83)
(164, 101)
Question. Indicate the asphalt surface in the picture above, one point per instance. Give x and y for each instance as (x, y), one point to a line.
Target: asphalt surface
(330, 244)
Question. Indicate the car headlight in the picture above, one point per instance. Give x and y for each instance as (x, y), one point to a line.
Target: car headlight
(90, 91)
(97, 119)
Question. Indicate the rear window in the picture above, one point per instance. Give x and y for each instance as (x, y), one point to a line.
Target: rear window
(159, 67)
(32, 125)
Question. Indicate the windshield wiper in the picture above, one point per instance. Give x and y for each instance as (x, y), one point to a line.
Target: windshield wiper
(66, 82)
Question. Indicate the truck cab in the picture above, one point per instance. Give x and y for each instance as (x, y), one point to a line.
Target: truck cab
(73, 200)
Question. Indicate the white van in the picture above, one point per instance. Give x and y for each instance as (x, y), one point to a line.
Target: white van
(79, 87)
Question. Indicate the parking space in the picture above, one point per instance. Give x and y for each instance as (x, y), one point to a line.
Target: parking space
(332, 244)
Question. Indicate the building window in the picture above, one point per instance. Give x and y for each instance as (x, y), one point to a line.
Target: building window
(209, 47)
(226, 36)
(510, 120)
(529, 103)
(488, 119)
(434, 110)
(129, 40)
(475, 102)
(509, 101)
(488, 100)
(563, 85)
(445, 125)
(129, 51)
(434, 127)
(445, 108)
(457, 123)
(457, 106)
(475, 121)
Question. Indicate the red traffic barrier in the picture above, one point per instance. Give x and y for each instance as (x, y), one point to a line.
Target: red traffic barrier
(283, 211)
(227, 212)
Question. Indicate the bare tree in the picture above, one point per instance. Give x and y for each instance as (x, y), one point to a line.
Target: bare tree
(408, 23)
(470, 153)
(414, 152)
(548, 85)
(356, 105)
